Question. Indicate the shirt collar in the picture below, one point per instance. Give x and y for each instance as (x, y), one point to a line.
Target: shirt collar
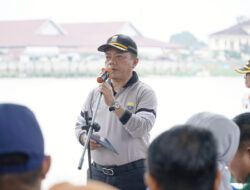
(131, 81)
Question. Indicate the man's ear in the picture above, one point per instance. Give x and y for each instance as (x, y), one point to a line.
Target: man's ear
(217, 180)
(136, 60)
(248, 150)
(248, 154)
(151, 182)
(45, 166)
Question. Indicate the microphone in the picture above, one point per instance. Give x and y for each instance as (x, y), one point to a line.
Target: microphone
(104, 75)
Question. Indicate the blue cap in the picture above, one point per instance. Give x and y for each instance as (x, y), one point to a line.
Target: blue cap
(20, 134)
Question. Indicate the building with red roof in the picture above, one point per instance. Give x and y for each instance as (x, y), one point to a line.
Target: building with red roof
(45, 37)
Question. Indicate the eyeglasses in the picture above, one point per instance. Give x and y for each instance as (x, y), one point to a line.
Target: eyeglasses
(247, 74)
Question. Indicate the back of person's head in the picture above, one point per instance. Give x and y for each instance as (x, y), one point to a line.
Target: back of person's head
(183, 157)
(22, 160)
(224, 130)
(227, 137)
(240, 165)
(243, 122)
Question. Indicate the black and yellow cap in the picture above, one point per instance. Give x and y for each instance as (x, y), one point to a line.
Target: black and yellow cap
(121, 42)
(245, 69)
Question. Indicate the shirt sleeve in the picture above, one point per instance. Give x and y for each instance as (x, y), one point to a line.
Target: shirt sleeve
(141, 122)
(81, 120)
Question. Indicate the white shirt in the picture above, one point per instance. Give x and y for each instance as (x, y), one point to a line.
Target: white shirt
(246, 101)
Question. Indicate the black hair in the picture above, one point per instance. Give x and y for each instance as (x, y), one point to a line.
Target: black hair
(243, 122)
(29, 178)
(183, 157)
(133, 55)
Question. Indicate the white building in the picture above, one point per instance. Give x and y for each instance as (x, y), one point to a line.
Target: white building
(234, 38)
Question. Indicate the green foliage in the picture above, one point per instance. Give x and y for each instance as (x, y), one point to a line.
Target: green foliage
(232, 54)
(188, 40)
(241, 19)
(245, 48)
(215, 54)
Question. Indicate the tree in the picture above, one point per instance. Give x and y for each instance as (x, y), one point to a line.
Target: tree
(232, 54)
(186, 39)
(241, 19)
(245, 48)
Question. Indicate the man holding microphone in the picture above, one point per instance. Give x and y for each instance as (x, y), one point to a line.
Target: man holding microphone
(126, 114)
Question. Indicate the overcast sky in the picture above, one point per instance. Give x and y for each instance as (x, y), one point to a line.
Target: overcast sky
(157, 19)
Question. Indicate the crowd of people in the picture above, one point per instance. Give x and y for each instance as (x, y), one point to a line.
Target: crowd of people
(207, 152)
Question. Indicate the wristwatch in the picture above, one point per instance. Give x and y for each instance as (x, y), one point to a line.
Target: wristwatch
(115, 106)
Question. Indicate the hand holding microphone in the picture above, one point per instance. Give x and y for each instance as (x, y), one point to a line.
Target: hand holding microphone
(106, 73)
(105, 88)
